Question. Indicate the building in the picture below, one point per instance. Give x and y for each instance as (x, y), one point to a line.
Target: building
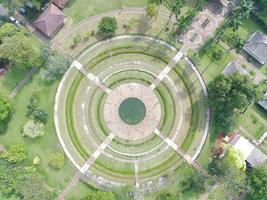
(60, 3)
(3, 11)
(263, 103)
(257, 47)
(234, 67)
(50, 20)
(252, 155)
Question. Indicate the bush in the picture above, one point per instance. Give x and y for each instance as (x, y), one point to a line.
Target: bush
(151, 10)
(56, 161)
(217, 53)
(33, 129)
(39, 116)
(56, 66)
(252, 73)
(6, 110)
(107, 26)
(16, 153)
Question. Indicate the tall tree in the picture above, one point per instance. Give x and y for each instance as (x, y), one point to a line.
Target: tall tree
(229, 96)
(257, 180)
(6, 110)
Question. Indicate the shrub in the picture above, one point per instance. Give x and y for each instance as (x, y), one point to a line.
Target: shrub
(6, 110)
(217, 53)
(108, 26)
(40, 116)
(252, 73)
(33, 129)
(56, 66)
(56, 161)
(36, 161)
(16, 153)
(151, 10)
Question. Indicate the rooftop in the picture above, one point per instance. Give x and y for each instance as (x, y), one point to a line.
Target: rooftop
(263, 103)
(50, 20)
(60, 3)
(257, 47)
(233, 67)
(251, 154)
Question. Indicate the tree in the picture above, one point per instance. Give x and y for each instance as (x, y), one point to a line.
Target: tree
(40, 116)
(195, 181)
(16, 153)
(21, 50)
(8, 30)
(98, 195)
(257, 180)
(56, 66)
(15, 4)
(232, 164)
(184, 21)
(108, 26)
(56, 161)
(229, 96)
(6, 110)
(242, 11)
(33, 129)
(151, 10)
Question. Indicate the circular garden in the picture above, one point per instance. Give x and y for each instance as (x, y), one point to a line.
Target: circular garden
(85, 115)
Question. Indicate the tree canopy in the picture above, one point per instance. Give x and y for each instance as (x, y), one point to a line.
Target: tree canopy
(107, 26)
(230, 95)
(18, 47)
(56, 160)
(6, 110)
(16, 153)
(257, 180)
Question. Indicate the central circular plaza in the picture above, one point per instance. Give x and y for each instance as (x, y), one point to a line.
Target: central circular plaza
(132, 111)
(117, 106)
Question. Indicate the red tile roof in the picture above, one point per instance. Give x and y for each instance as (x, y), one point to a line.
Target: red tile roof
(60, 3)
(50, 20)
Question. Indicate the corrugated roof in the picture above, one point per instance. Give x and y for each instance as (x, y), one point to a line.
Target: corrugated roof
(50, 20)
(233, 67)
(257, 46)
(60, 3)
(251, 154)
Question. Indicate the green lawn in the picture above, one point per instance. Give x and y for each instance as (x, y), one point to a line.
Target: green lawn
(248, 27)
(9, 80)
(254, 121)
(48, 143)
(210, 68)
(81, 9)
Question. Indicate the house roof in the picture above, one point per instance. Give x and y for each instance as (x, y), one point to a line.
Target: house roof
(257, 47)
(251, 154)
(50, 20)
(263, 103)
(233, 67)
(3, 11)
(60, 3)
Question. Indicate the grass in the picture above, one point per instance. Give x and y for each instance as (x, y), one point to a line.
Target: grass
(210, 68)
(254, 121)
(248, 27)
(9, 81)
(81, 9)
(45, 145)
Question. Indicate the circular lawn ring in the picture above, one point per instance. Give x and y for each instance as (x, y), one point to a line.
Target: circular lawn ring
(117, 126)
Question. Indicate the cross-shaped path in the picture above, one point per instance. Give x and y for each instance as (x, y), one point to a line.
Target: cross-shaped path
(91, 76)
(76, 178)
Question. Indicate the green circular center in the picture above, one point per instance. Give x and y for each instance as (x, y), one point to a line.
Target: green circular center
(132, 111)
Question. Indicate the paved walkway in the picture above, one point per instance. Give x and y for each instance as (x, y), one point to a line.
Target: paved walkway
(91, 76)
(181, 152)
(76, 178)
(22, 83)
(166, 70)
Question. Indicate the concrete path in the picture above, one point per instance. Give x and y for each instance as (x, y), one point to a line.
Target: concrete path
(166, 70)
(91, 76)
(181, 152)
(23, 82)
(76, 178)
